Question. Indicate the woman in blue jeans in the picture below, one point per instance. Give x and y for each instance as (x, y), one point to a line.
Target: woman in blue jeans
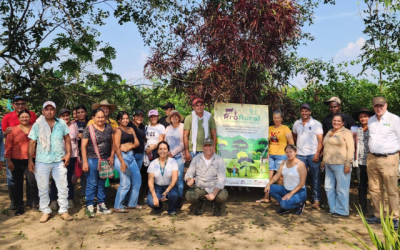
(125, 141)
(95, 186)
(174, 138)
(293, 193)
(163, 175)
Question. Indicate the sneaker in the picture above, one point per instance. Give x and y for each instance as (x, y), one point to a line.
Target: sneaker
(217, 211)
(300, 209)
(45, 217)
(373, 220)
(19, 211)
(172, 213)
(54, 205)
(102, 209)
(336, 215)
(89, 211)
(65, 216)
(199, 208)
(71, 204)
(395, 224)
(329, 213)
(325, 205)
(282, 211)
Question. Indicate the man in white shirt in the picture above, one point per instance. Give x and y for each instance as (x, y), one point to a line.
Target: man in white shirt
(308, 135)
(206, 179)
(383, 160)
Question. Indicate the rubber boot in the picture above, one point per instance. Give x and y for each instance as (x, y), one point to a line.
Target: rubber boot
(362, 196)
(12, 197)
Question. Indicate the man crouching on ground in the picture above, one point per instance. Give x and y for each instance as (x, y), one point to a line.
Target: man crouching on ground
(206, 179)
(50, 133)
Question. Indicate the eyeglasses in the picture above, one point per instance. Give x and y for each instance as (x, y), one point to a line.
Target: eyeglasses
(20, 104)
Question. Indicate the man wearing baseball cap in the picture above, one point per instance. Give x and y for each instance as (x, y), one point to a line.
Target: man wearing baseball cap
(308, 135)
(198, 125)
(49, 134)
(206, 179)
(168, 107)
(10, 120)
(383, 160)
(334, 108)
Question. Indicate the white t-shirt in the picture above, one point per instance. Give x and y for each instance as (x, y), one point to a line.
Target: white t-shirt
(307, 142)
(173, 138)
(153, 133)
(159, 179)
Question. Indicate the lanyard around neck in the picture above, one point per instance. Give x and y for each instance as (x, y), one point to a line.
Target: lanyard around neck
(165, 164)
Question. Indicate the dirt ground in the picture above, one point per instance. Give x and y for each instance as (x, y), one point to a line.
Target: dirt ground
(244, 225)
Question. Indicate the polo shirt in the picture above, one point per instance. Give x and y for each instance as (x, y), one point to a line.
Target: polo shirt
(348, 122)
(56, 152)
(384, 135)
(200, 131)
(307, 142)
(11, 120)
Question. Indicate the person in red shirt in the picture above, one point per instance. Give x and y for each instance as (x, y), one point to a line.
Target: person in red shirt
(11, 120)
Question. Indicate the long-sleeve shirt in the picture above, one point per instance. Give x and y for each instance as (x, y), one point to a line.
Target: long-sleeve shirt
(384, 135)
(339, 147)
(17, 144)
(1, 145)
(208, 176)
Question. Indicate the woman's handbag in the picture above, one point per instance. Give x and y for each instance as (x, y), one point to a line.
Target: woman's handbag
(78, 168)
(105, 170)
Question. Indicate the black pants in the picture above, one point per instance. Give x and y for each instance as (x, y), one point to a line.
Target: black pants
(19, 172)
(363, 187)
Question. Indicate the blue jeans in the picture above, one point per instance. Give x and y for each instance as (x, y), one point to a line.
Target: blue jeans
(275, 161)
(338, 198)
(94, 184)
(278, 191)
(10, 180)
(172, 197)
(127, 183)
(83, 184)
(314, 168)
(71, 191)
(194, 154)
(181, 166)
(139, 159)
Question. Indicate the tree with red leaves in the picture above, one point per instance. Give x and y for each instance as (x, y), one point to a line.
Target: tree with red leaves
(228, 50)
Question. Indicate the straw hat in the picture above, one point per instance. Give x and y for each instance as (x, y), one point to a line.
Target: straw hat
(174, 112)
(112, 107)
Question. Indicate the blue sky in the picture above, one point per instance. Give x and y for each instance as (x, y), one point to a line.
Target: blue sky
(337, 30)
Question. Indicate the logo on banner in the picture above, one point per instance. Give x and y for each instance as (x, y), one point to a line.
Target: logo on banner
(233, 115)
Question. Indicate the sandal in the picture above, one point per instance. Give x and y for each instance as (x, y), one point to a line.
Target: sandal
(137, 207)
(263, 201)
(122, 210)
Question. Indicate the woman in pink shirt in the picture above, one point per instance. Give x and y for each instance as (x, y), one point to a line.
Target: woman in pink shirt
(74, 135)
(17, 157)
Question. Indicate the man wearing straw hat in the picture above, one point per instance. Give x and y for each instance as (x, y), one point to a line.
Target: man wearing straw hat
(108, 110)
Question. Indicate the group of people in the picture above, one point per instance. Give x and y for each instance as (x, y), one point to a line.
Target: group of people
(54, 145)
(336, 146)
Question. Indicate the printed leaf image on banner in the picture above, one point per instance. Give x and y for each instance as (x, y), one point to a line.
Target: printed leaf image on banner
(242, 140)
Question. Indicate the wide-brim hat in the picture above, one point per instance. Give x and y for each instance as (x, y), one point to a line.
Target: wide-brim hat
(174, 112)
(362, 110)
(112, 107)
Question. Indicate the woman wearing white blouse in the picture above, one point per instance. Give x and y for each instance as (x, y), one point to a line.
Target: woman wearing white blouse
(163, 175)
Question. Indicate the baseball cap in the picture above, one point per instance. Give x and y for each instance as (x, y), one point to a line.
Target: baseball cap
(208, 141)
(49, 103)
(195, 101)
(153, 112)
(333, 99)
(18, 98)
(63, 110)
(378, 100)
(168, 105)
(306, 106)
(138, 112)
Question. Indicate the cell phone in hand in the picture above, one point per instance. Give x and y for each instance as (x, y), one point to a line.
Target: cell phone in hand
(128, 172)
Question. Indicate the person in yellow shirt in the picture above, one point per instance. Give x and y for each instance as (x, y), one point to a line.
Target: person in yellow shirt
(279, 137)
(108, 110)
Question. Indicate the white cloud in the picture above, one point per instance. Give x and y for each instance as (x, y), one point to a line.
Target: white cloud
(350, 52)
